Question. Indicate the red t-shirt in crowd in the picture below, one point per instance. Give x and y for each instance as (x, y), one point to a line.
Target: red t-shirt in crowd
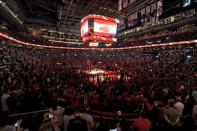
(141, 124)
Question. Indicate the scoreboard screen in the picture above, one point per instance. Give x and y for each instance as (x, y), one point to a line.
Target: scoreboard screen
(104, 27)
(97, 28)
(84, 28)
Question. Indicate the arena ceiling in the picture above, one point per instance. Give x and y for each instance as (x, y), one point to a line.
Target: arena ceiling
(63, 15)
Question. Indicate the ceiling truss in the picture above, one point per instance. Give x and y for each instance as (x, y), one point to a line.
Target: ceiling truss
(66, 14)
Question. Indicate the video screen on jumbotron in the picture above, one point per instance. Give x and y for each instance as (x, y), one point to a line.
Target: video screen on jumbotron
(104, 27)
(84, 28)
(99, 28)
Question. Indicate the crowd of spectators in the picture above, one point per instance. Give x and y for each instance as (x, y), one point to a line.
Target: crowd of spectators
(157, 86)
(172, 34)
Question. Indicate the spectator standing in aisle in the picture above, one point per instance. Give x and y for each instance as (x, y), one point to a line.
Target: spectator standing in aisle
(77, 123)
(4, 98)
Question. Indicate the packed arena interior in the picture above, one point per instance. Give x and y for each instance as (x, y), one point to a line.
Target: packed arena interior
(98, 65)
